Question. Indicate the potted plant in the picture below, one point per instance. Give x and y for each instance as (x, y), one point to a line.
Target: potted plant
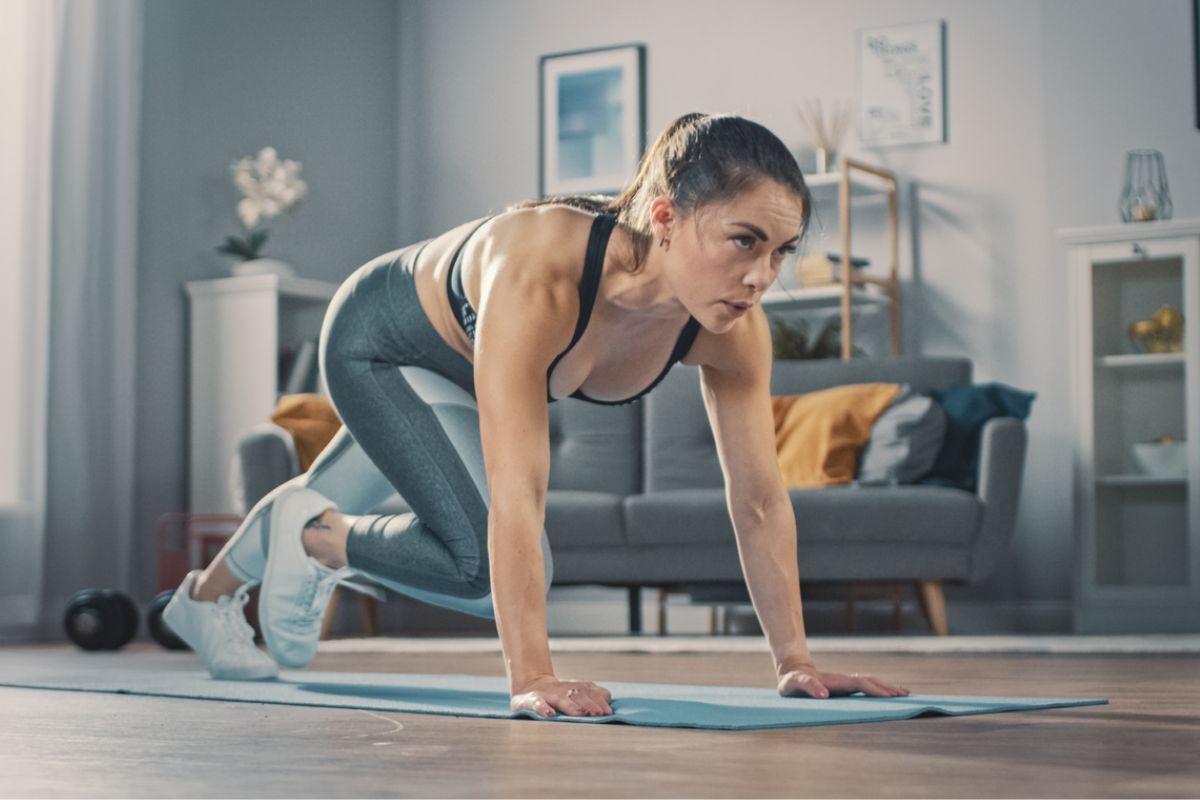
(269, 187)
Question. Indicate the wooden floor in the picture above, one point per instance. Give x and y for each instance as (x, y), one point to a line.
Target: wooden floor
(1145, 743)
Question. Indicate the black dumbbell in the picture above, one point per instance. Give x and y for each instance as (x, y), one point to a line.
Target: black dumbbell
(101, 619)
(159, 630)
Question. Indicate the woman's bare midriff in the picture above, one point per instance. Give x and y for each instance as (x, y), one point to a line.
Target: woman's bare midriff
(619, 353)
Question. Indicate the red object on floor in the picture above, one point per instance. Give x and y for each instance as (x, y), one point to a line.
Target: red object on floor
(188, 541)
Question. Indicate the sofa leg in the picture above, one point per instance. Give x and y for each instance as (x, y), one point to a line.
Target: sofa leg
(635, 609)
(933, 605)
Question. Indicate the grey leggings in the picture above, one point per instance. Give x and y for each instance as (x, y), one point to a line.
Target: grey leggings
(411, 426)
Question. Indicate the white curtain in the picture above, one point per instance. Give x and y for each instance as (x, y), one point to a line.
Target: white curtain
(75, 215)
(26, 81)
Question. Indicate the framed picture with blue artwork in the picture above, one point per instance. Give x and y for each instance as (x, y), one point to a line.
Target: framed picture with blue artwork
(592, 111)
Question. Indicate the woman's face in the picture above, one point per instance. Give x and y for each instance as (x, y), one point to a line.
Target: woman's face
(725, 256)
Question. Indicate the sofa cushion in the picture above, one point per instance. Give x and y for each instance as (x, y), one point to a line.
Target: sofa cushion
(595, 448)
(923, 373)
(904, 441)
(679, 449)
(967, 409)
(833, 514)
(584, 519)
(819, 435)
(311, 420)
(678, 516)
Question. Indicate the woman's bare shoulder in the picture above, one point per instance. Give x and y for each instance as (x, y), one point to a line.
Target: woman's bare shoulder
(546, 240)
(530, 267)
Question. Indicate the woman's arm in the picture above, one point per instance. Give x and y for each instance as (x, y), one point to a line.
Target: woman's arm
(528, 310)
(736, 386)
(735, 377)
(516, 341)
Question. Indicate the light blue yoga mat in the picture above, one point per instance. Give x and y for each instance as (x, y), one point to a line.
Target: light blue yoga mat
(653, 704)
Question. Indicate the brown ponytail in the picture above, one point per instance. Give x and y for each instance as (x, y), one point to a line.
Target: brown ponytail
(700, 159)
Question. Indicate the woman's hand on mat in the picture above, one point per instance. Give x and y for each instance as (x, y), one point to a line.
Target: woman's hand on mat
(808, 681)
(547, 695)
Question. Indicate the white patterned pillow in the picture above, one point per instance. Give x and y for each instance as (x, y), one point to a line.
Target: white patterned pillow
(905, 440)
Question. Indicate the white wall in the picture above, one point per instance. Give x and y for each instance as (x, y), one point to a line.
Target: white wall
(1043, 99)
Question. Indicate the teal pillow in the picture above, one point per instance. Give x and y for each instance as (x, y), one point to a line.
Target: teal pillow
(967, 408)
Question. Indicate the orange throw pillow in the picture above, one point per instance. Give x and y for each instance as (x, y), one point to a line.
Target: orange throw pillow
(820, 435)
(311, 421)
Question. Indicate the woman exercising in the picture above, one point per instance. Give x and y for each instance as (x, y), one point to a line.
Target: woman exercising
(441, 359)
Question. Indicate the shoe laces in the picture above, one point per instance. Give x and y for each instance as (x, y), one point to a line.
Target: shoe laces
(319, 589)
(231, 612)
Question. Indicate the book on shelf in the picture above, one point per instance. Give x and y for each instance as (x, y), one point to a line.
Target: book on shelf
(301, 372)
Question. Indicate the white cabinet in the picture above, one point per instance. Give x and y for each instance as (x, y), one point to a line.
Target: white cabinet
(1137, 534)
(238, 328)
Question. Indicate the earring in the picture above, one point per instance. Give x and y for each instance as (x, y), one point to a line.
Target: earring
(662, 243)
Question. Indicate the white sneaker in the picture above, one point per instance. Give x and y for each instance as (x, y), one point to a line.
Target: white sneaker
(219, 633)
(296, 587)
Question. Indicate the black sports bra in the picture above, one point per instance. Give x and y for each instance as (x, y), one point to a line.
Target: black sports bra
(593, 267)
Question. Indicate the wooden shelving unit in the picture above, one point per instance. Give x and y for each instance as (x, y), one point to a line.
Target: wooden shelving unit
(856, 289)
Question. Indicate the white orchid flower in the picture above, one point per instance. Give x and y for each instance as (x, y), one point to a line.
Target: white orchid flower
(269, 186)
(245, 183)
(266, 161)
(249, 211)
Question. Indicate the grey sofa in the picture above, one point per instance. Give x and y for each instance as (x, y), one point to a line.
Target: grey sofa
(636, 496)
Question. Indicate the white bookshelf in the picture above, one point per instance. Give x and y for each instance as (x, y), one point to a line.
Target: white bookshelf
(239, 327)
(1137, 536)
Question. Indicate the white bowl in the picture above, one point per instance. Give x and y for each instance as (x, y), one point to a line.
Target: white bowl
(1165, 460)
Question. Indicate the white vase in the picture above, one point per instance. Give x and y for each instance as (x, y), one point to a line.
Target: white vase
(263, 266)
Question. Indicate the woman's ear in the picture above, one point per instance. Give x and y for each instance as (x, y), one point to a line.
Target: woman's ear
(664, 216)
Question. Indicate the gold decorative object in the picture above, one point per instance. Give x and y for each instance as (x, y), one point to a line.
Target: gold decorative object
(823, 269)
(815, 270)
(1162, 333)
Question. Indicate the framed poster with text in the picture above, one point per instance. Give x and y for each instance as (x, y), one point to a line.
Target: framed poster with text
(901, 84)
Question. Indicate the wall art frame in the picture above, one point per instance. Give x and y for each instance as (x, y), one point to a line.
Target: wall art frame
(902, 85)
(591, 119)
